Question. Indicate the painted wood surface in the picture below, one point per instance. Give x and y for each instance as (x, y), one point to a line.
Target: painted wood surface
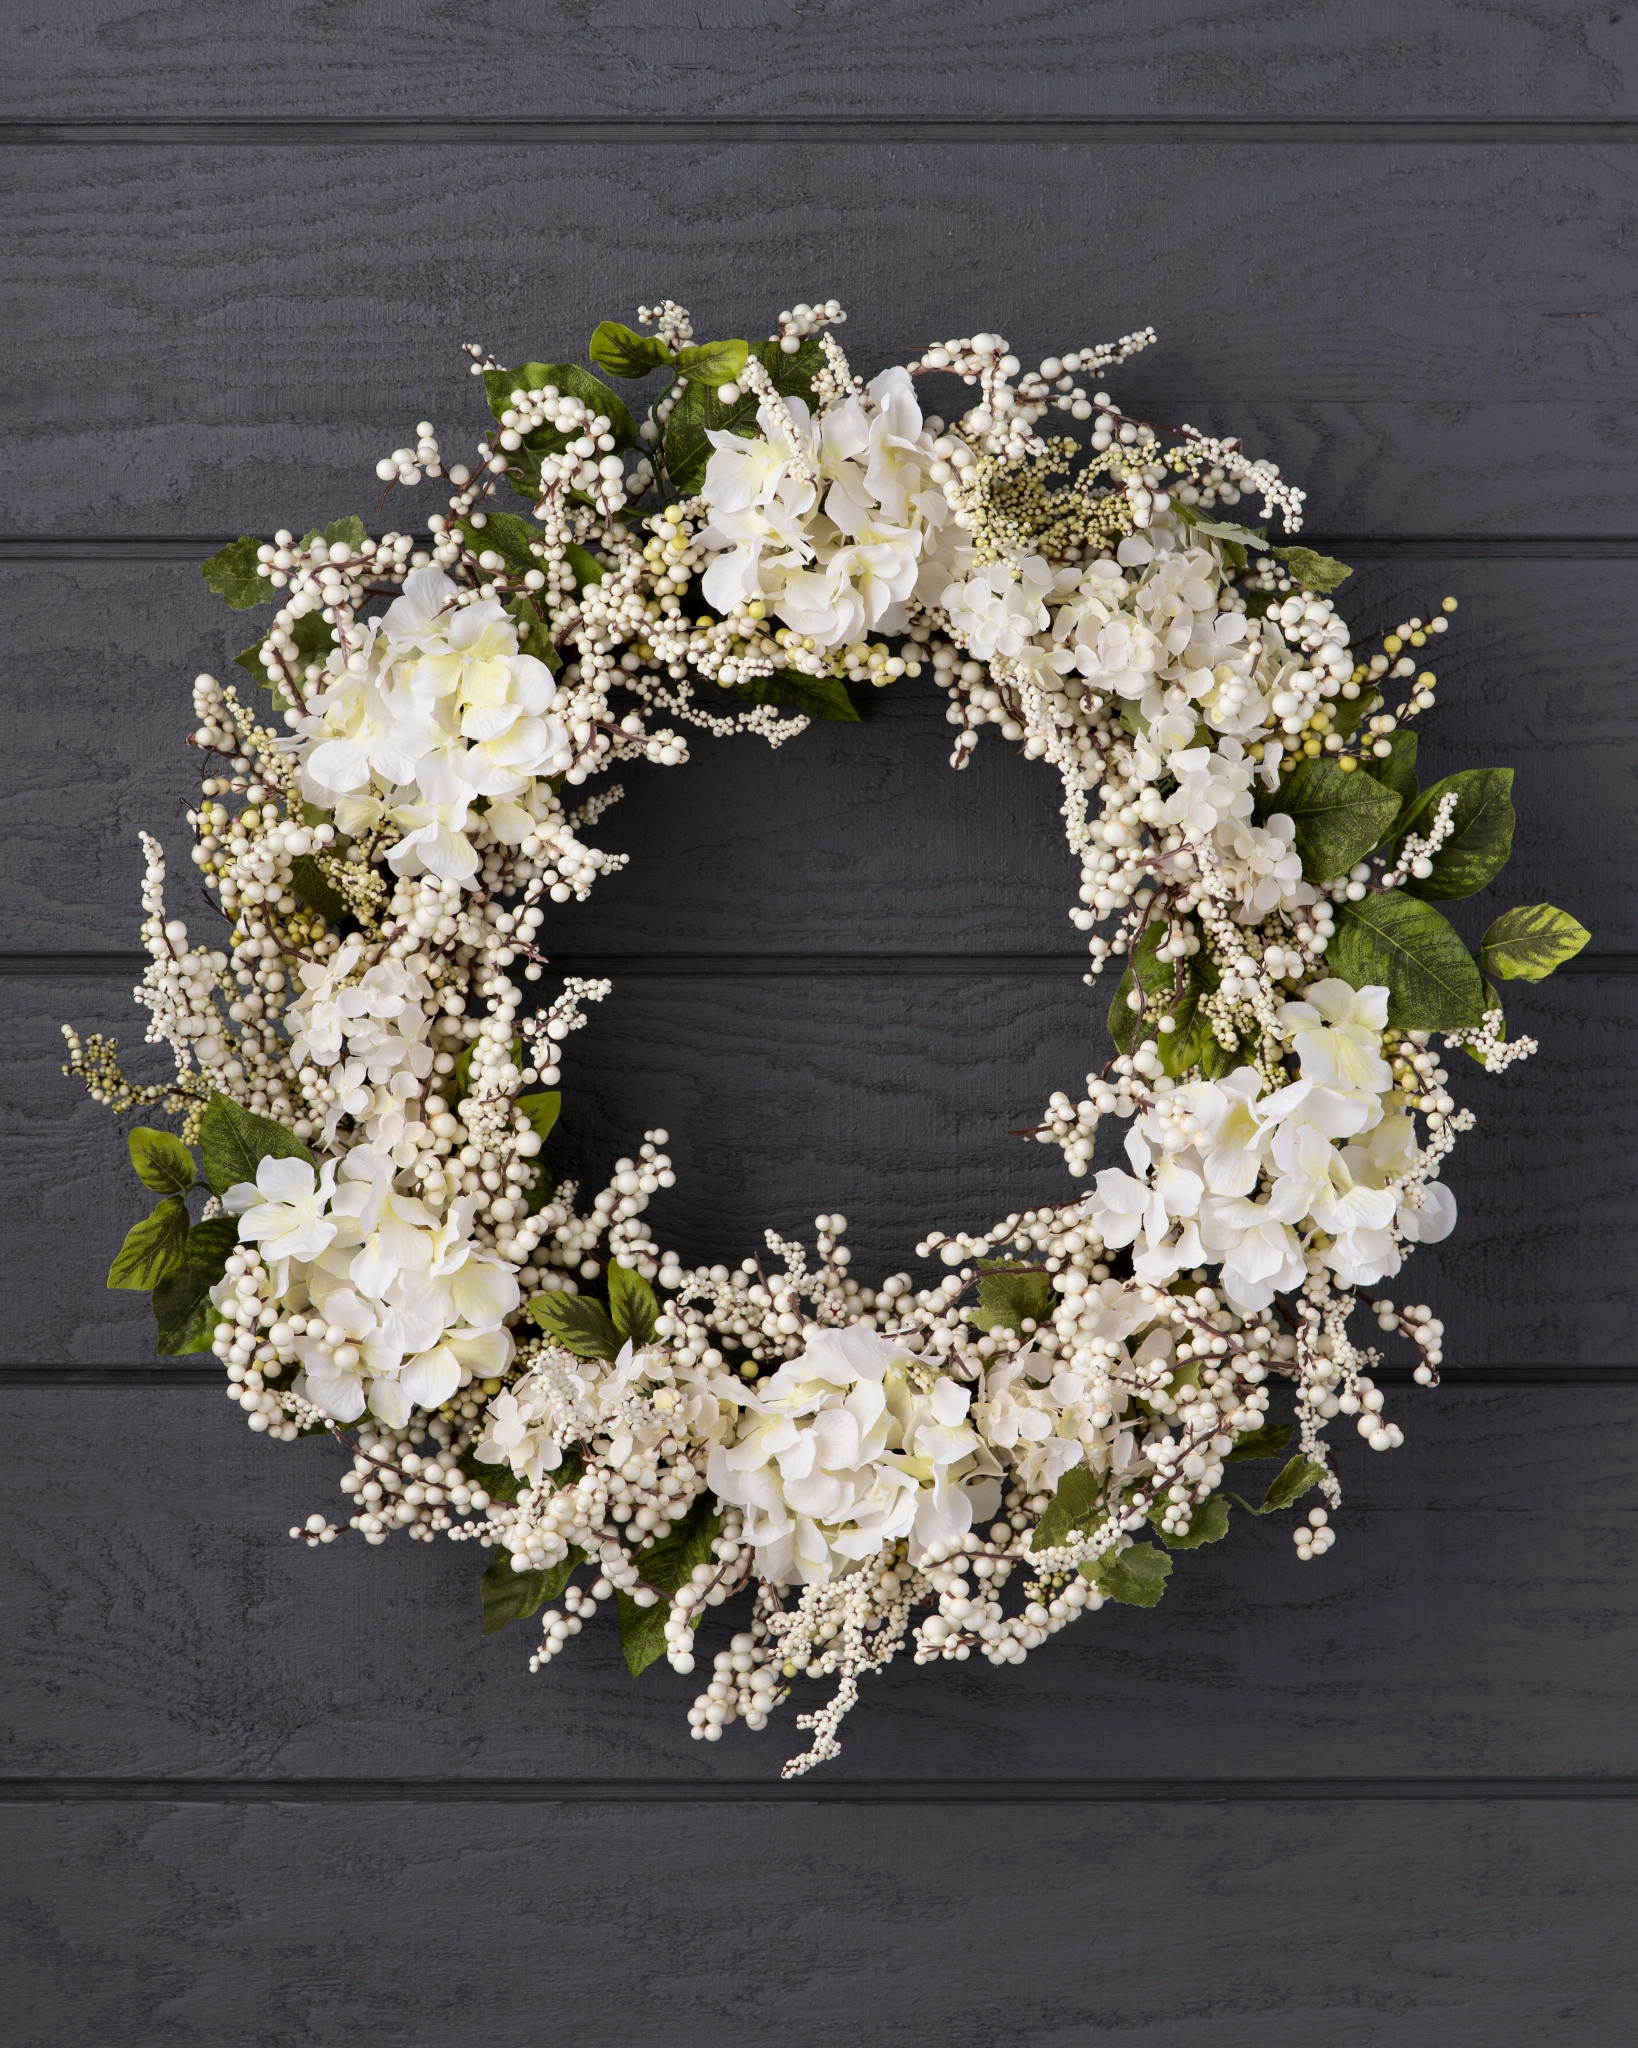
(255, 1795)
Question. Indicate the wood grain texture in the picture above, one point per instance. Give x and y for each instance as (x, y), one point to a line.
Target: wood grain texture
(1474, 1620)
(847, 839)
(228, 338)
(1324, 57)
(1359, 1927)
(891, 1099)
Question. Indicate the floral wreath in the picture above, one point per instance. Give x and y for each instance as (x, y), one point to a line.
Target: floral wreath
(959, 1467)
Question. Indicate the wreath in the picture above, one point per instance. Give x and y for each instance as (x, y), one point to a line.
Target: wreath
(391, 817)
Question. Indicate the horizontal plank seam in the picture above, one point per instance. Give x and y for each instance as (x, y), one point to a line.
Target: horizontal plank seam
(726, 1792)
(710, 966)
(41, 1373)
(886, 129)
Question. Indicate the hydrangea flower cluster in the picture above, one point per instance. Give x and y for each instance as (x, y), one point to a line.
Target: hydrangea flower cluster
(367, 1088)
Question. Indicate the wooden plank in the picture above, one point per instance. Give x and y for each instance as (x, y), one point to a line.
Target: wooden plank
(910, 57)
(1353, 1925)
(891, 1099)
(849, 839)
(232, 334)
(1474, 1621)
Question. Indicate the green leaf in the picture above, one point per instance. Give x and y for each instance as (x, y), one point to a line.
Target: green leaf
(1209, 1523)
(1393, 941)
(1492, 1001)
(578, 1323)
(534, 635)
(500, 384)
(236, 576)
(714, 362)
(1314, 572)
(700, 412)
(1236, 540)
(1339, 816)
(1346, 712)
(1527, 944)
(233, 1143)
(1192, 1042)
(1006, 1301)
(310, 880)
(541, 1108)
(184, 1314)
(623, 352)
(162, 1162)
(667, 1567)
(514, 1596)
(1077, 1505)
(1289, 1484)
(1267, 1442)
(1137, 1578)
(631, 1304)
(508, 536)
(813, 696)
(587, 568)
(1481, 839)
(1398, 771)
(314, 642)
(154, 1248)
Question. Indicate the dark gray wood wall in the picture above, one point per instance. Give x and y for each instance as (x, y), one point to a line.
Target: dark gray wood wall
(256, 1795)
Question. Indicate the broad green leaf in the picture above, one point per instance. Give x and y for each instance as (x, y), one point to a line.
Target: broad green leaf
(154, 1248)
(578, 1323)
(1481, 839)
(1395, 942)
(632, 1306)
(1007, 1300)
(534, 635)
(1290, 1483)
(514, 1596)
(623, 352)
(507, 536)
(667, 1566)
(1346, 712)
(1527, 944)
(587, 568)
(1314, 572)
(162, 1162)
(541, 1108)
(236, 576)
(1339, 816)
(824, 697)
(234, 1141)
(1209, 1524)
(184, 1314)
(500, 384)
(1398, 771)
(310, 880)
(350, 529)
(1191, 1042)
(313, 639)
(1137, 1578)
(1267, 1442)
(700, 412)
(713, 362)
(1077, 1505)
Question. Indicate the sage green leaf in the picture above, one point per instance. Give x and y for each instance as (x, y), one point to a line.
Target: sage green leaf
(1346, 712)
(1395, 942)
(310, 880)
(623, 352)
(1209, 1523)
(154, 1248)
(1290, 1483)
(1314, 572)
(534, 635)
(514, 1596)
(500, 384)
(185, 1317)
(233, 1142)
(508, 536)
(235, 574)
(699, 412)
(1482, 837)
(1527, 944)
(541, 1108)
(667, 1566)
(1077, 1505)
(1398, 771)
(1007, 1300)
(578, 1323)
(824, 697)
(1235, 540)
(632, 1306)
(162, 1162)
(1339, 816)
(1267, 1442)
(1137, 1578)
(587, 568)
(713, 362)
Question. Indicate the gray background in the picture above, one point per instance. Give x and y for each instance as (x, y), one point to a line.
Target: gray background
(257, 1795)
